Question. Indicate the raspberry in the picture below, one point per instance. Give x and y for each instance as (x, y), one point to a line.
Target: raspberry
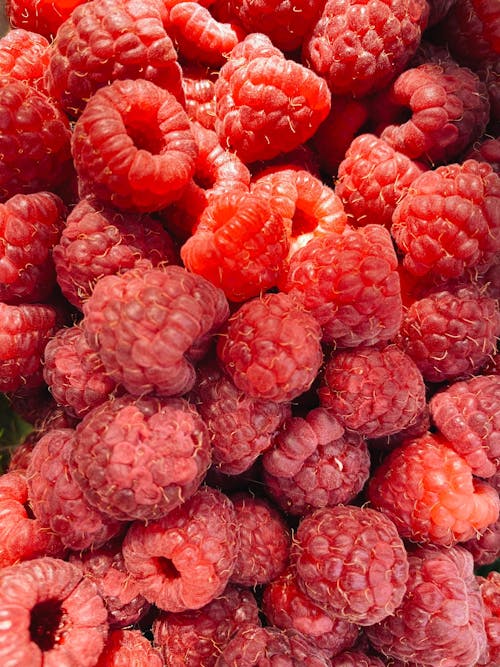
(239, 244)
(352, 48)
(286, 606)
(428, 490)
(24, 56)
(56, 498)
(106, 568)
(490, 593)
(194, 638)
(448, 110)
(357, 659)
(266, 104)
(185, 559)
(450, 333)
(128, 647)
(149, 325)
(24, 332)
(449, 221)
(22, 536)
(40, 17)
(240, 427)
(440, 620)
(199, 92)
(132, 44)
(372, 179)
(486, 150)
(351, 561)
(35, 140)
(133, 146)
(271, 349)
(350, 284)
(467, 413)
(30, 225)
(51, 615)
(485, 548)
(99, 240)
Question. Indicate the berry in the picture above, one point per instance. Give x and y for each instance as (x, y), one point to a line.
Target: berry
(487, 150)
(24, 56)
(149, 325)
(490, 593)
(428, 490)
(485, 547)
(128, 647)
(271, 349)
(40, 17)
(351, 561)
(199, 92)
(185, 559)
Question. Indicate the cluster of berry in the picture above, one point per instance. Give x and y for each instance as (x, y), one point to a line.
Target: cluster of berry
(249, 300)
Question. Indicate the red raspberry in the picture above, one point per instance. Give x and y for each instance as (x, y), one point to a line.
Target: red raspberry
(198, 84)
(56, 498)
(51, 615)
(428, 490)
(105, 566)
(35, 141)
(239, 244)
(149, 325)
(351, 47)
(487, 150)
(271, 349)
(467, 413)
(132, 44)
(185, 559)
(351, 561)
(24, 332)
(128, 647)
(22, 536)
(490, 593)
(450, 333)
(372, 179)
(194, 638)
(350, 284)
(266, 104)
(133, 146)
(440, 620)
(286, 606)
(40, 16)
(447, 106)
(485, 547)
(98, 240)
(30, 225)
(450, 220)
(24, 56)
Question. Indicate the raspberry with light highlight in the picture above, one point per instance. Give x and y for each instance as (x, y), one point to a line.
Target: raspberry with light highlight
(40, 17)
(24, 56)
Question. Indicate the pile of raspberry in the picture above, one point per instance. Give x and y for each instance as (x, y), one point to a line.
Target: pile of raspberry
(250, 309)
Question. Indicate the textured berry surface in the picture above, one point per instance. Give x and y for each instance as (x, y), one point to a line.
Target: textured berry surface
(40, 17)
(128, 647)
(24, 56)
(199, 93)
(490, 593)
(485, 548)
(488, 151)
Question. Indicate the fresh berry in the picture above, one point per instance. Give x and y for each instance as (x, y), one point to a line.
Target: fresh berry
(490, 593)
(271, 348)
(149, 325)
(40, 17)
(24, 56)
(351, 561)
(428, 490)
(184, 560)
(487, 150)
(128, 647)
(485, 547)
(199, 92)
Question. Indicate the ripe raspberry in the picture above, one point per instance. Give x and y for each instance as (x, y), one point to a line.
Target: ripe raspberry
(266, 104)
(133, 146)
(440, 620)
(22, 536)
(485, 547)
(351, 561)
(30, 225)
(138, 458)
(133, 44)
(467, 413)
(99, 240)
(51, 615)
(24, 332)
(149, 325)
(450, 333)
(185, 559)
(198, 86)
(35, 141)
(350, 284)
(428, 490)
(40, 17)
(351, 47)
(106, 568)
(372, 179)
(490, 593)
(24, 56)
(286, 606)
(194, 638)
(239, 244)
(271, 349)
(129, 647)
(56, 498)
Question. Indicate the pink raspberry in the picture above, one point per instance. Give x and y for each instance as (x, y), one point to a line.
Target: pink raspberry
(490, 593)
(24, 56)
(485, 546)
(185, 559)
(351, 561)
(51, 615)
(271, 348)
(440, 620)
(150, 325)
(128, 647)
